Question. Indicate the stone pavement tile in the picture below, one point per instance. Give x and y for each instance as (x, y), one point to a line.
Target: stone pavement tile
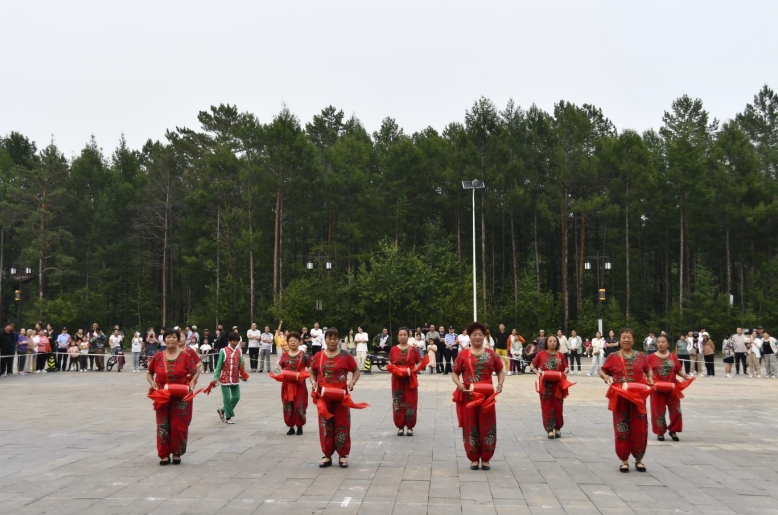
(177, 506)
(507, 509)
(604, 497)
(387, 489)
(110, 506)
(239, 507)
(547, 510)
(417, 473)
(475, 491)
(354, 488)
(538, 494)
(513, 492)
(413, 492)
(568, 492)
(290, 490)
(55, 506)
(617, 511)
(444, 509)
(409, 509)
(633, 495)
(375, 508)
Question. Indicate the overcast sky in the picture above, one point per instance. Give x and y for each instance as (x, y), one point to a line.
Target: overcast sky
(75, 68)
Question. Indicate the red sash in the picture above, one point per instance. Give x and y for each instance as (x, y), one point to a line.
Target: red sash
(334, 393)
(162, 396)
(554, 376)
(411, 372)
(636, 393)
(291, 379)
(673, 389)
(477, 395)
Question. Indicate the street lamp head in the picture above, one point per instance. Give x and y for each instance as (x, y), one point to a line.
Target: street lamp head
(328, 265)
(473, 185)
(28, 270)
(13, 270)
(309, 265)
(607, 265)
(587, 265)
(602, 293)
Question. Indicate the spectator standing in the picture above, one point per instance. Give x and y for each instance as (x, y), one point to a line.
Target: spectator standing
(564, 348)
(450, 349)
(44, 348)
(463, 340)
(682, 351)
(649, 344)
(540, 341)
(433, 339)
(74, 353)
(728, 350)
(501, 346)
(695, 354)
(83, 346)
(611, 344)
(575, 345)
(317, 339)
(161, 345)
(769, 349)
(754, 358)
(530, 351)
(708, 354)
(382, 342)
(254, 337)
(63, 342)
(98, 346)
(265, 349)
(21, 351)
(137, 350)
(740, 351)
(516, 349)
(598, 354)
(348, 341)
(360, 340)
(8, 342)
(151, 343)
(206, 353)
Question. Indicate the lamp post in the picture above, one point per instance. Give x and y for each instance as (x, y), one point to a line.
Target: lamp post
(327, 264)
(21, 274)
(600, 290)
(474, 185)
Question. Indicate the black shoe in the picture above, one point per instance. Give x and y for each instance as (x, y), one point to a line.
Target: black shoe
(675, 437)
(300, 430)
(661, 438)
(291, 431)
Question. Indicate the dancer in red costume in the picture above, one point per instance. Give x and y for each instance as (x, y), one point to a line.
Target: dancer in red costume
(552, 392)
(294, 393)
(629, 368)
(475, 410)
(404, 363)
(330, 373)
(666, 367)
(172, 367)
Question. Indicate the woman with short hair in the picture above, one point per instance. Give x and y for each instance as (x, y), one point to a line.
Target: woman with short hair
(477, 416)
(552, 393)
(625, 371)
(666, 367)
(404, 360)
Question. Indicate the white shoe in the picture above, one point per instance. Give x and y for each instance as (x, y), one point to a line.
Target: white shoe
(230, 421)
(588, 375)
(510, 373)
(729, 375)
(758, 376)
(4, 375)
(579, 372)
(45, 371)
(750, 375)
(37, 371)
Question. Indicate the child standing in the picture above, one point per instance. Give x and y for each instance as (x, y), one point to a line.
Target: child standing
(229, 370)
(432, 351)
(75, 353)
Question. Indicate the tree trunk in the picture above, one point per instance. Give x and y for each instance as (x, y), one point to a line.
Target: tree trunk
(680, 275)
(729, 261)
(218, 257)
(483, 252)
(626, 244)
(164, 257)
(742, 292)
(252, 295)
(515, 275)
(565, 288)
(2, 265)
(537, 253)
(281, 252)
(276, 238)
(581, 259)
(459, 241)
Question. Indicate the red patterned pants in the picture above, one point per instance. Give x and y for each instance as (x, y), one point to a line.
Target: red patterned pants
(551, 407)
(173, 427)
(630, 428)
(294, 412)
(660, 401)
(335, 433)
(479, 431)
(405, 401)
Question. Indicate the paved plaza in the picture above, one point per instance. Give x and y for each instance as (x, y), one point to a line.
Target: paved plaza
(84, 443)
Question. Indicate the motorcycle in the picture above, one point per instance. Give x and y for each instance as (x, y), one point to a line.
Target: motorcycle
(377, 359)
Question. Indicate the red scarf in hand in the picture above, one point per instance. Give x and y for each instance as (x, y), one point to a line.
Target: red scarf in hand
(290, 380)
(485, 398)
(334, 394)
(562, 385)
(637, 395)
(411, 372)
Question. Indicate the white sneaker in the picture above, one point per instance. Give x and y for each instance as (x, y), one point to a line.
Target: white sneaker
(579, 372)
(5, 374)
(758, 376)
(510, 373)
(45, 371)
(37, 371)
(750, 375)
(729, 375)
(230, 421)
(588, 375)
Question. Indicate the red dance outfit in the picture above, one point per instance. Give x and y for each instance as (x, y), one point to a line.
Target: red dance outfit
(405, 398)
(630, 423)
(335, 432)
(173, 418)
(294, 411)
(665, 369)
(551, 401)
(479, 425)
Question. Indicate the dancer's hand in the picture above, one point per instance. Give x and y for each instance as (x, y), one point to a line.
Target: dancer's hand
(351, 387)
(499, 388)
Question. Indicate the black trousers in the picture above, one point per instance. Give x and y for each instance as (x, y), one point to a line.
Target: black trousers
(440, 356)
(709, 368)
(62, 359)
(687, 364)
(254, 357)
(7, 363)
(740, 357)
(22, 361)
(450, 355)
(574, 357)
(41, 363)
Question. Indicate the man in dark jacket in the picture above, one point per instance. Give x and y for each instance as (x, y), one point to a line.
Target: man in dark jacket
(8, 339)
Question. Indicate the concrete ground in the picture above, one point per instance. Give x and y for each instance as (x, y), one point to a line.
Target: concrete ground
(84, 443)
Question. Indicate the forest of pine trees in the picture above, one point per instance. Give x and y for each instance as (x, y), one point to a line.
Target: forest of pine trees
(216, 223)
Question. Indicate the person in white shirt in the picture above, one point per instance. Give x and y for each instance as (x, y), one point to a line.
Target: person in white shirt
(695, 354)
(115, 341)
(361, 339)
(265, 348)
(769, 349)
(317, 339)
(417, 340)
(206, 355)
(598, 353)
(564, 348)
(137, 349)
(254, 336)
(463, 340)
(575, 345)
(754, 345)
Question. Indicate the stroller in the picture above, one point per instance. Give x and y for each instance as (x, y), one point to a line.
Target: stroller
(116, 359)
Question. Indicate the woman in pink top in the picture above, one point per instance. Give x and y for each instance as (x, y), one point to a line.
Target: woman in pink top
(44, 348)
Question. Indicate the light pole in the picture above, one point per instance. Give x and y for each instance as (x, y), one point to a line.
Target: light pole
(328, 265)
(21, 274)
(600, 290)
(474, 185)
